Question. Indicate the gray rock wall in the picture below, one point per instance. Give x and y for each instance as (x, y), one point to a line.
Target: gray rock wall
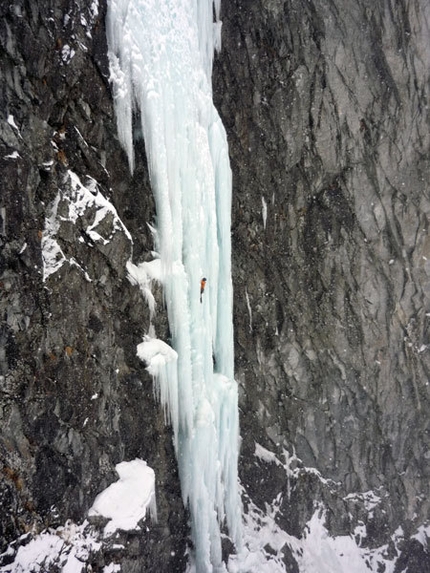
(326, 108)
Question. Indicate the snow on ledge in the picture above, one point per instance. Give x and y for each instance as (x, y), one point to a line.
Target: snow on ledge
(266, 455)
(128, 500)
(155, 353)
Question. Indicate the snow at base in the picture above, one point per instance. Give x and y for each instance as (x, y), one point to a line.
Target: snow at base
(128, 500)
(265, 544)
(65, 549)
(68, 549)
(160, 54)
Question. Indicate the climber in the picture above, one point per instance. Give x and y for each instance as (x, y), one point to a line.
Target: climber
(202, 287)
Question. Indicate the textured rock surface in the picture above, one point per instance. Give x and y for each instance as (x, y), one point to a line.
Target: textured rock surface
(326, 108)
(75, 400)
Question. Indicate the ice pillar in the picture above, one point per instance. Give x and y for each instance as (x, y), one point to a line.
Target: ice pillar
(160, 54)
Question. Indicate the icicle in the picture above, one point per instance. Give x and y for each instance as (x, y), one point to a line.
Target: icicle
(161, 54)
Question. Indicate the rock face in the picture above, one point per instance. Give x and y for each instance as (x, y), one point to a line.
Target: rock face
(75, 400)
(326, 109)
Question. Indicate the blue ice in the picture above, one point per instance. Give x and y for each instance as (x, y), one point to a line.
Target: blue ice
(160, 54)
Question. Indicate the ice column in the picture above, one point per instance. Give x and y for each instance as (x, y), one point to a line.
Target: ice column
(160, 54)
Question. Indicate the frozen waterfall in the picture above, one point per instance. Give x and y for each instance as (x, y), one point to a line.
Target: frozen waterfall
(160, 54)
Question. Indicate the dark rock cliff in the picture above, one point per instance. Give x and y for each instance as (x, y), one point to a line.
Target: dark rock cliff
(75, 400)
(326, 110)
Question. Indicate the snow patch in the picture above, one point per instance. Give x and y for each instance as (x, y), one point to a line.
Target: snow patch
(369, 499)
(70, 548)
(264, 542)
(248, 305)
(264, 211)
(422, 535)
(127, 501)
(11, 122)
(94, 8)
(66, 549)
(70, 204)
(52, 254)
(112, 568)
(89, 196)
(266, 455)
(67, 53)
(316, 551)
(13, 155)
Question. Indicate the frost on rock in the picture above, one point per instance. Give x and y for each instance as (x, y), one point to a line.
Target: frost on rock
(127, 501)
(160, 55)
